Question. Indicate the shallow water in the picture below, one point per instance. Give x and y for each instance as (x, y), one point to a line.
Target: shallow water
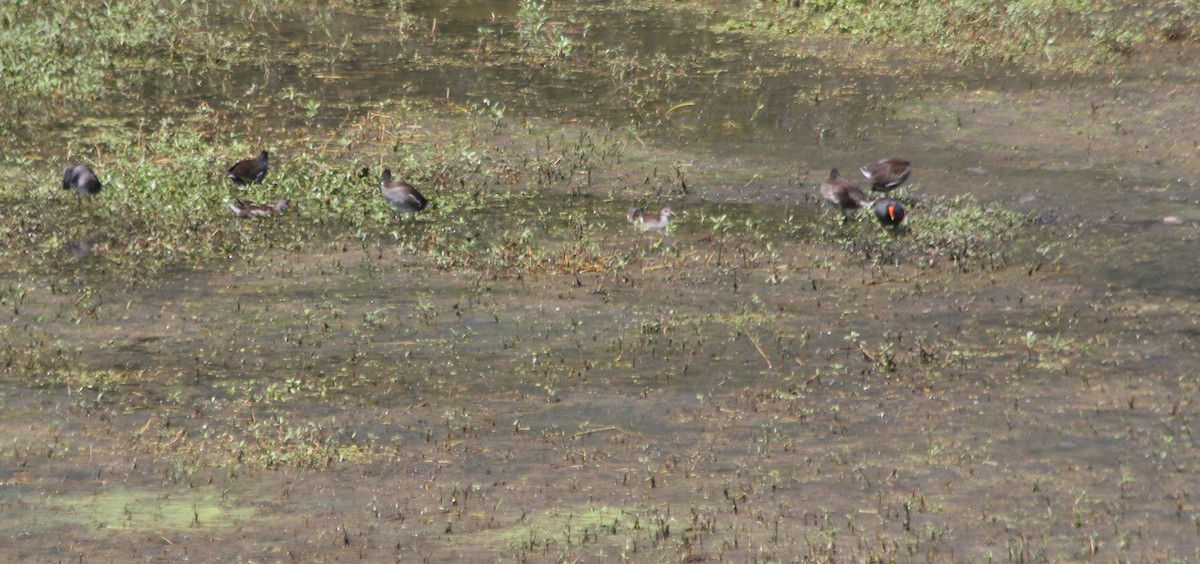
(749, 385)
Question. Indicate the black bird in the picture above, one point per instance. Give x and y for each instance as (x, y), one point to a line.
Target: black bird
(887, 174)
(843, 194)
(889, 212)
(403, 197)
(249, 170)
(81, 179)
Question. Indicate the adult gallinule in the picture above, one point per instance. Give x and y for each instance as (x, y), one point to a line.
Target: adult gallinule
(887, 174)
(81, 179)
(890, 212)
(249, 170)
(403, 197)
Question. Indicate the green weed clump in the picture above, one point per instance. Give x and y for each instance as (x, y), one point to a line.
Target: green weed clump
(77, 50)
(164, 202)
(959, 230)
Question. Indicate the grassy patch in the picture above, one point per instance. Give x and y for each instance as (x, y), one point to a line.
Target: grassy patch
(75, 50)
(164, 204)
(145, 511)
(960, 231)
(1038, 32)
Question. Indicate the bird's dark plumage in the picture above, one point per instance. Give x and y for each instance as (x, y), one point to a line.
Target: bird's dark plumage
(401, 195)
(887, 174)
(890, 212)
(249, 170)
(81, 179)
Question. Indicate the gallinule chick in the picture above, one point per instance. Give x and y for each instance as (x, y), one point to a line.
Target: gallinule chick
(889, 212)
(403, 197)
(647, 222)
(243, 208)
(843, 194)
(249, 170)
(81, 179)
(887, 174)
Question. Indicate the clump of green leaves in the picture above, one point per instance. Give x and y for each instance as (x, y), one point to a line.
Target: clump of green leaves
(957, 230)
(71, 49)
(539, 33)
(962, 230)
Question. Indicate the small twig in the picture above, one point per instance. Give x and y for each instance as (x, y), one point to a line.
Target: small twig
(177, 438)
(864, 477)
(147, 425)
(866, 352)
(754, 342)
(814, 376)
(415, 405)
(600, 430)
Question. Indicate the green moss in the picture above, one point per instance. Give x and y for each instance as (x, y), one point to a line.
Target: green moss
(146, 511)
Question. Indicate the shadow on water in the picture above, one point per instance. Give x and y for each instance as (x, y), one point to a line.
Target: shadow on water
(533, 379)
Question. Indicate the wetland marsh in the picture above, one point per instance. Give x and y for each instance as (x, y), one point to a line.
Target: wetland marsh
(514, 373)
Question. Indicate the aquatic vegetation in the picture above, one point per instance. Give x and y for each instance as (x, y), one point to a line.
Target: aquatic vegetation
(540, 35)
(964, 231)
(1035, 32)
(164, 203)
(958, 230)
(74, 52)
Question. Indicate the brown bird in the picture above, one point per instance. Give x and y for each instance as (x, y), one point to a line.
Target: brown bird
(843, 194)
(249, 170)
(403, 197)
(887, 174)
(81, 179)
(890, 212)
(243, 208)
(647, 222)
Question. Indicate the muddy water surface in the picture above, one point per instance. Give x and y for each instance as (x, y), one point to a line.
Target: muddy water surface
(761, 382)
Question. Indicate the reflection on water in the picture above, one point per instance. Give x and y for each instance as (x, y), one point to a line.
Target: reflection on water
(80, 248)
